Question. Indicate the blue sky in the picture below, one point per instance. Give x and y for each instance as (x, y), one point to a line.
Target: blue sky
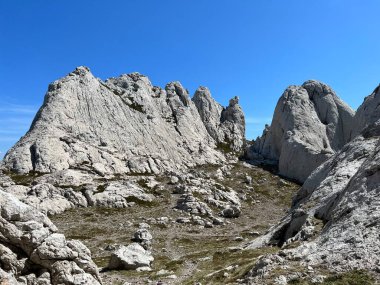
(252, 49)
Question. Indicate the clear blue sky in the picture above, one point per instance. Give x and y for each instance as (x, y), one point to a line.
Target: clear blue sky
(253, 49)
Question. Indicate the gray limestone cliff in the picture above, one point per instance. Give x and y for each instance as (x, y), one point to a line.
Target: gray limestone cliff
(310, 123)
(335, 214)
(368, 112)
(121, 125)
(342, 195)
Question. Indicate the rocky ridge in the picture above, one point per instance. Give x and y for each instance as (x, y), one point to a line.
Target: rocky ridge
(84, 149)
(121, 125)
(225, 125)
(335, 213)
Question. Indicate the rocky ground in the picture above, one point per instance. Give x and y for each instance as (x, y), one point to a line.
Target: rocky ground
(190, 251)
(156, 190)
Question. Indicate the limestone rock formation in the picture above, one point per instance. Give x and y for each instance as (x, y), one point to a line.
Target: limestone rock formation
(225, 125)
(122, 125)
(343, 193)
(32, 252)
(309, 125)
(368, 112)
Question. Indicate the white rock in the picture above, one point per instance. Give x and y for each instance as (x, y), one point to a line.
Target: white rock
(22, 227)
(130, 257)
(71, 130)
(309, 125)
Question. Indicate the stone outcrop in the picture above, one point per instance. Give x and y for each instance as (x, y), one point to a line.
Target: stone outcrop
(343, 193)
(57, 192)
(309, 125)
(32, 252)
(368, 113)
(121, 125)
(225, 125)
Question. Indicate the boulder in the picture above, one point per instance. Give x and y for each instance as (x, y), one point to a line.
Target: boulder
(118, 195)
(130, 257)
(231, 212)
(143, 237)
(32, 252)
(190, 204)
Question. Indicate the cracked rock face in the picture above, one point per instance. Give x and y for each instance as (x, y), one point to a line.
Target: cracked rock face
(344, 194)
(309, 125)
(31, 252)
(225, 125)
(368, 113)
(122, 125)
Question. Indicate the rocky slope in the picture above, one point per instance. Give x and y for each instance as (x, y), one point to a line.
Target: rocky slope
(310, 123)
(141, 174)
(32, 252)
(336, 212)
(122, 125)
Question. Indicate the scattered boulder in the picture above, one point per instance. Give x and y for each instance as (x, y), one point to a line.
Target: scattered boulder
(190, 204)
(248, 179)
(32, 250)
(47, 198)
(143, 237)
(118, 195)
(130, 257)
(174, 180)
(231, 212)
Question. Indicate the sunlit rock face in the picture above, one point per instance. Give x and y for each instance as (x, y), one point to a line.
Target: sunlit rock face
(32, 252)
(121, 125)
(342, 197)
(225, 125)
(368, 112)
(309, 125)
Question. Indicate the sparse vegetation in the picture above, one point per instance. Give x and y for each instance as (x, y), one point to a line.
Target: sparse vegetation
(23, 179)
(189, 251)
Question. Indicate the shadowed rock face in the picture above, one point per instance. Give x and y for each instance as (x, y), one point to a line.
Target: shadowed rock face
(310, 123)
(122, 125)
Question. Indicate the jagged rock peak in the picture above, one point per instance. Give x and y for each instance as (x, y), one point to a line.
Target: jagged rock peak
(176, 89)
(310, 123)
(94, 125)
(367, 113)
(225, 125)
(81, 70)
